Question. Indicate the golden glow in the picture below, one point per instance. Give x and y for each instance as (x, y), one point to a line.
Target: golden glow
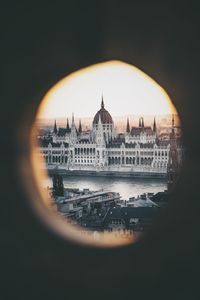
(126, 90)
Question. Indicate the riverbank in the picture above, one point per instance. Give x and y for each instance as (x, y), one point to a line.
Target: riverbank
(126, 186)
(117, 174)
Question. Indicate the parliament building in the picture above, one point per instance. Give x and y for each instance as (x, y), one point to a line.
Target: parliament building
(138, 149)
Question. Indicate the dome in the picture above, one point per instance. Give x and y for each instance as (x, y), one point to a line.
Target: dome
(104, 114)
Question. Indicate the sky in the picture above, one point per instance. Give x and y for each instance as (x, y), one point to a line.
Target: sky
(126, 90)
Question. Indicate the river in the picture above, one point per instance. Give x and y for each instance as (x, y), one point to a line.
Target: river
(127, 187)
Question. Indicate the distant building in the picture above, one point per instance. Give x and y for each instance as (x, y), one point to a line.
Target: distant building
(139, 149)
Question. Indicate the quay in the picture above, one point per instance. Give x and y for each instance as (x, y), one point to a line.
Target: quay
(108, 171)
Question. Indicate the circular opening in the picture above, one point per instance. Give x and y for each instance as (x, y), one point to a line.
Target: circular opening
(106, 153)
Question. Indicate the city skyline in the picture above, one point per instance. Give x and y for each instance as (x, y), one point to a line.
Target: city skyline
(119, 121)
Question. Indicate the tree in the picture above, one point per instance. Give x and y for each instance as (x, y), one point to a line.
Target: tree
(58, 188)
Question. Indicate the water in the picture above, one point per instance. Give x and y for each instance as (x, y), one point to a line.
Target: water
(127, 187)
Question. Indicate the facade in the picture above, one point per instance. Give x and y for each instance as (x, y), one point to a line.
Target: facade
(139, 149)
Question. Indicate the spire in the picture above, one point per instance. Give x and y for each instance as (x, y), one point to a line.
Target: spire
(173, 132)
(154, 125)
(102, 102)
(173, 162)
(67, 127)
(80, 127)
(142, 122)
(73, 119)
(73, 133)
(127, 126)
(55, 130)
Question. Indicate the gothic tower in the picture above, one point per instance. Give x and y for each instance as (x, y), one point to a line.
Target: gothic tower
(128, 126)
(55, 130)
(173, 165)
(73, 135)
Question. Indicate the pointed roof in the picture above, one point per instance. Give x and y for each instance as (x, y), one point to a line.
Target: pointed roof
(102, 103)
(154, 125)
(67, 126)
(104, 114)
(68, 129)
(128, 126)
(55, 130)
(72, 118)
(80, 127)
(142, 124)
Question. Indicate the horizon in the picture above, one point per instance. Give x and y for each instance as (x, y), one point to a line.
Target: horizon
(132, 118)
(120, 122)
